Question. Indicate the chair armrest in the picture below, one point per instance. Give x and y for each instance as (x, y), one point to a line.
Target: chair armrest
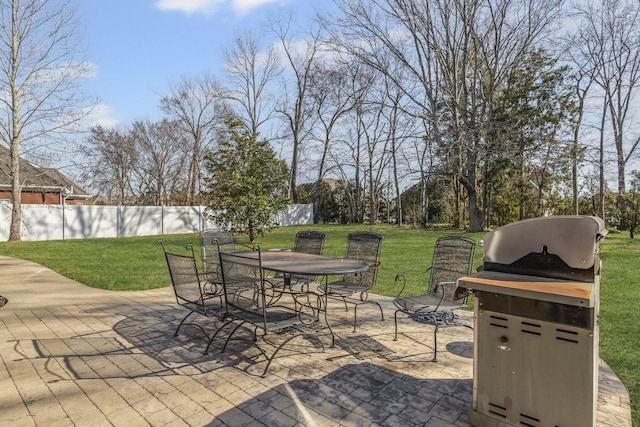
(403, 277)
(443, 285)
(212, 289)
(440, 289)
(454, 286)
(445, 288)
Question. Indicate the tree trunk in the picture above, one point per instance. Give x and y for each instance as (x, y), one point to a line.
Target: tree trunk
(396, 186)
(601, 162)
(16, 190)
(574, 175)
(293, 186)
(16, 196)
(523, 184)
(576, 146)
(621, 173)
(475, 216)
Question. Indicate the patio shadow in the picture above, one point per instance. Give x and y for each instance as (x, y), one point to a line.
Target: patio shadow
(143, 346)
(357, 394)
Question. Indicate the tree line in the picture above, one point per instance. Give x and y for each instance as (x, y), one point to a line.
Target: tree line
(470, 112)
(474, 113)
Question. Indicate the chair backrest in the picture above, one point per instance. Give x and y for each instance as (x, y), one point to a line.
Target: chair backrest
(212, 242)
(183, 270)
(452, 259)
(310, 242)
(364, 246)
(244, 285)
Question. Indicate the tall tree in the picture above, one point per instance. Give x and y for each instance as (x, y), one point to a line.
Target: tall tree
(350, 155)
(296, 107)
(459, 52)
(532, 115)
(609, 41)
(583, 79)
(332, 99)
(112, 159)
(41, 69)
(246, 183)
(163, 164)
(250, 72)
(195, 104)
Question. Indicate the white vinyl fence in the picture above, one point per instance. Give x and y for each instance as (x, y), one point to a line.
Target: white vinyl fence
(57, 222)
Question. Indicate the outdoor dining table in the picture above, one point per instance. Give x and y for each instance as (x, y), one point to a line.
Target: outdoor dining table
(300, 263)
(290, 263)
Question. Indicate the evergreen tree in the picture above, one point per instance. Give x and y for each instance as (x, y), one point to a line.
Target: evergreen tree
(528, 151)
(246, 184)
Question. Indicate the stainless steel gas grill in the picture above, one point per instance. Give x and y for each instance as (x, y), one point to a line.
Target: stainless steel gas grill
(536, 333)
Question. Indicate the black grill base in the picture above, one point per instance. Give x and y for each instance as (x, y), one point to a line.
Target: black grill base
(581, 317)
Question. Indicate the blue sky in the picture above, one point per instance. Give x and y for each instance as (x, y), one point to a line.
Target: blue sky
(139, 47)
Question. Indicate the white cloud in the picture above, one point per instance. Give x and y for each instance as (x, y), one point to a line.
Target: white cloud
(243, 7)
(100, 115)
(209, 7)
(90, 70)
(206, 7)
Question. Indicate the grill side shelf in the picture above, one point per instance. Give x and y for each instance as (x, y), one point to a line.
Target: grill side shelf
(567, 292)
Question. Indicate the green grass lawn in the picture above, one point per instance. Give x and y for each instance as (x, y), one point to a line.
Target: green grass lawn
(137, 263)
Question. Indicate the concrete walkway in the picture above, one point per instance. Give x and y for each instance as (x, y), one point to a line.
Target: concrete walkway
(73, 355)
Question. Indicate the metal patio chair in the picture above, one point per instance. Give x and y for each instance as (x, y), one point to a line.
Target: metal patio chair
(191, 290)
(247, 295)
(309, 242)
(211, 243)
(355, 288)
(452, 259)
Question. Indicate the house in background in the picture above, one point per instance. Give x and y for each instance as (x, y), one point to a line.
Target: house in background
(39, 185)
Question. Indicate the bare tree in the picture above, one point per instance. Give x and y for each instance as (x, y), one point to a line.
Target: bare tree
(41, 67)
(332, 99)
(459, 51)
(162, 163)
(608, 38)
(582, 84)
(250, 71)
(196, 106)
(297, 107)
(364, 153)
(401, 128)
(112, 159)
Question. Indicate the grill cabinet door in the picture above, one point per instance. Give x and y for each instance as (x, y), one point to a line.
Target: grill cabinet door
(533, 373)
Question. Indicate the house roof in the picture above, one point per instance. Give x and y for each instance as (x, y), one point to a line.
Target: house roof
(36, 178)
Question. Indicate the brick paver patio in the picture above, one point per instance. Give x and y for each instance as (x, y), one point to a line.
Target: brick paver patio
(73, 355)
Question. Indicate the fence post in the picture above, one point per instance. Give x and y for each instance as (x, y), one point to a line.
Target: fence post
(119, 221)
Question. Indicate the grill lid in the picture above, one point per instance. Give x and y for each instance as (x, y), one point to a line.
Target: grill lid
(555, 246)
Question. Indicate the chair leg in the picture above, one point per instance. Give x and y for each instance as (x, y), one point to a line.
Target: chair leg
(395, 321)
(184, 322)
(355, 317)
(308, 337)
(435, 343)
(355, 314)
(325, 303)
(206, 350)
(381, 312)
(224, 347)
